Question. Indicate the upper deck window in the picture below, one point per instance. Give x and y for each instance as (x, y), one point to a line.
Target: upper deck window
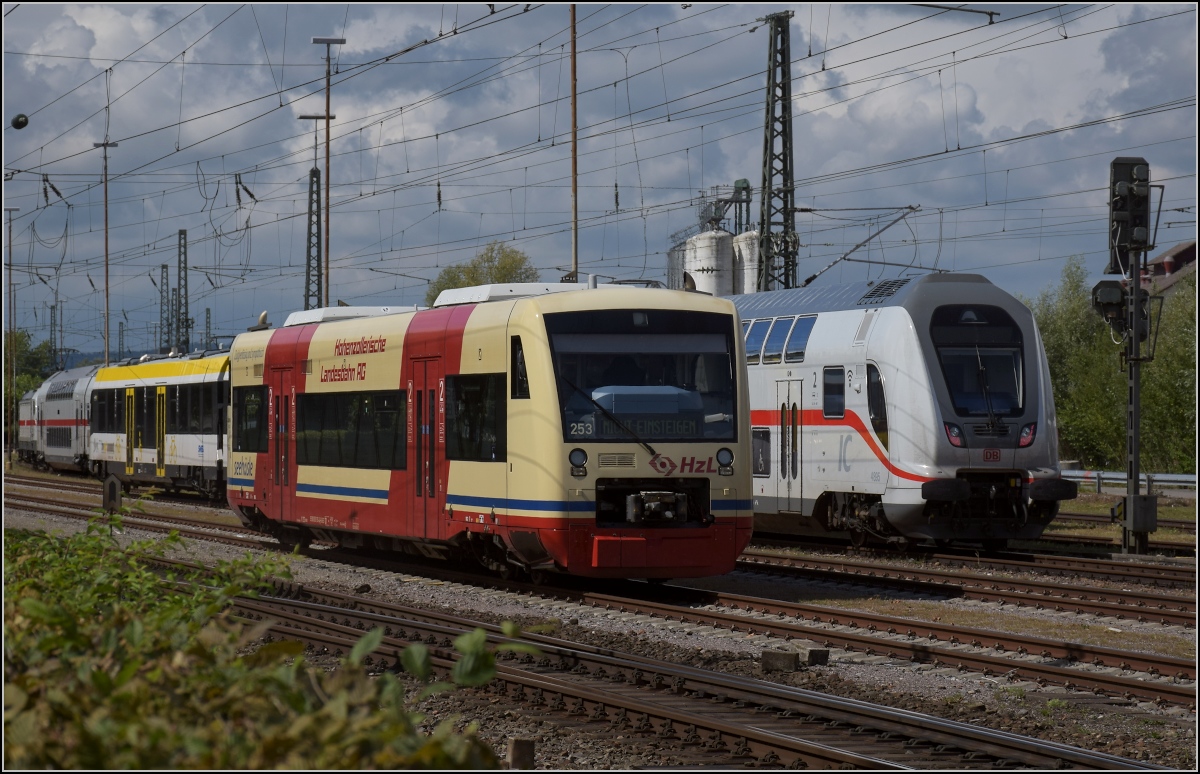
(773, 348)
(798, 342)
(754, 340)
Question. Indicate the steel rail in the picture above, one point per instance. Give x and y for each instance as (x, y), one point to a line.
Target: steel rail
(940, 655)
(1178, 610)
(780, 701)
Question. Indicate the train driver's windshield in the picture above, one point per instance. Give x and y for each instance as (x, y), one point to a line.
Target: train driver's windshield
(980, 351)
(649, 375)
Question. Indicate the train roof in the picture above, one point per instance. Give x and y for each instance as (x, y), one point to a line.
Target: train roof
(870, 294)
(334, 313)
(77, 372)
(480, 294)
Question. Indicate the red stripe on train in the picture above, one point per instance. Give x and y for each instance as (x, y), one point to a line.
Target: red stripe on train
(54, 423)
(851, 421)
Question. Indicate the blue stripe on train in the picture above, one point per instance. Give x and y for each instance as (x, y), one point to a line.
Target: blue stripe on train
(562, 505)
(246, 482)
(344, 491)
(524, 505)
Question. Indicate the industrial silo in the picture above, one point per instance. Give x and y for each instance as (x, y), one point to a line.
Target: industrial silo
(745, 259)
(675, 266)
(708, 259)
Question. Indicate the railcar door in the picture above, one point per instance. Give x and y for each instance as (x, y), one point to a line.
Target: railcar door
(282, 444)
(789, 395)
(427, 389)
(130, 428)
(160, 431)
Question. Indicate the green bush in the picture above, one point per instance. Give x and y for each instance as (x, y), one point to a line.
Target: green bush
(108, 666)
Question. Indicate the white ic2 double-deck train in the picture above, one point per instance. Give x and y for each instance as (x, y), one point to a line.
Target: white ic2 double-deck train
(905, 409)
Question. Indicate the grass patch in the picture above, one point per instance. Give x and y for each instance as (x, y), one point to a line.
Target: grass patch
(992, 619)
(1182, 509)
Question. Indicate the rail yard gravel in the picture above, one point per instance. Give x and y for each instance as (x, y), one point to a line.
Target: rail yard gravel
(1165, 736)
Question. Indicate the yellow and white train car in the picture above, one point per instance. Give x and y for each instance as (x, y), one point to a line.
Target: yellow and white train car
(599, 432)
(161, 422)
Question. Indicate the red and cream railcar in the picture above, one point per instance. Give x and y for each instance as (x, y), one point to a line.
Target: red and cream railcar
(598, 432)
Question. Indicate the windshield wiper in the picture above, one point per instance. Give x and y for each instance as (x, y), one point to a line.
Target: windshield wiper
(609, 414)
(993, 423)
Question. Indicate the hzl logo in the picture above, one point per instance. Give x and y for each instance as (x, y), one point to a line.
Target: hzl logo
(664, 465)
(667, 466)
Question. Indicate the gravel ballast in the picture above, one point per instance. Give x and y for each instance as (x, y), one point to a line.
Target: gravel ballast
(1162, 735)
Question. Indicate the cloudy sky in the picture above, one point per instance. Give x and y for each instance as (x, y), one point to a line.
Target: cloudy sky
(453, 129)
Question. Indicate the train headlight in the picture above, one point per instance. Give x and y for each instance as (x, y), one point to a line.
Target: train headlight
(1028, 433)
(725, 462)
(578, 459)
(955, 435)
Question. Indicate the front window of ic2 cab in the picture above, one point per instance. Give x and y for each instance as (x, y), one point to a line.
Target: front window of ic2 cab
(644, 375)
(980, 351)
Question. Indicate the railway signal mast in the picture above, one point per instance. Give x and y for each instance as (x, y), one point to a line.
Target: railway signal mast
(1125, 307)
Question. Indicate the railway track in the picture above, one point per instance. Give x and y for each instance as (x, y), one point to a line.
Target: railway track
(986, 652)
(1149, 573)
(722, 719)
(1117, 603)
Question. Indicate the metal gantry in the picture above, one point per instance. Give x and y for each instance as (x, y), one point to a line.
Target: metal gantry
(777, 242)
(183, 321)
(164, 311)
(312, 260)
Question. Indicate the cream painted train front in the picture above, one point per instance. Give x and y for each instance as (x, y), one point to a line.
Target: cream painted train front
(909, 409)
(598, 432)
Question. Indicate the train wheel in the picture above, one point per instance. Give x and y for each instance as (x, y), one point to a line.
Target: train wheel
(992, 545)
(942, 543)
(539, 577)
(858, 538)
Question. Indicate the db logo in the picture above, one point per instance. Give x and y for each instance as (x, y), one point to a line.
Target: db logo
(991, 455)
(664, 465)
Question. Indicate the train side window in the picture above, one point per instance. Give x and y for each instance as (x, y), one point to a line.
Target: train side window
(352, 430)
(745, 328)
(101, 419)
(773, 348)
(476, 420)
(520, 376)
(207, 409)
(755, 339)
(834, 381)
(195, 407)
(760, 451)
(250, 419)
(798, 342)
(875, 404)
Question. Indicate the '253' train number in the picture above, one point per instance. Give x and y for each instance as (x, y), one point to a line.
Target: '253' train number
(584, 429)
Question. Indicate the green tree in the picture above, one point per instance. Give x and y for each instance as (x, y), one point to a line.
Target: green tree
(495, 263)
(32, 364)
(1091, 388)
(1169, 387)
